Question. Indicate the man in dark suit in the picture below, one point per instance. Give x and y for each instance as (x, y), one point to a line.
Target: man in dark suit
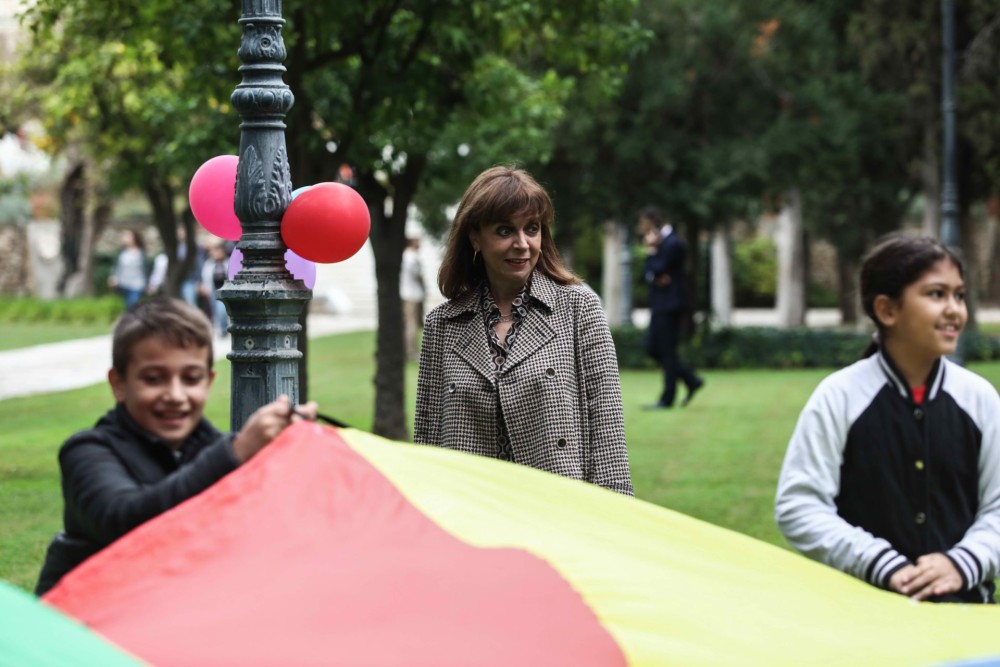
(664, 273)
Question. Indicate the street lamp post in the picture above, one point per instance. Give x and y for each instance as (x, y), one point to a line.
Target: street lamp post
(264, 301)
(949, 195)
(949, 190)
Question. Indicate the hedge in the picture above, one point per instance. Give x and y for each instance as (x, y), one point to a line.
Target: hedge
(82, 310)
(771, 347)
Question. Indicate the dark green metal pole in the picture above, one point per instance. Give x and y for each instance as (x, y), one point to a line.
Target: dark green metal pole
(264, 301)
(949, 191)
(949, 194)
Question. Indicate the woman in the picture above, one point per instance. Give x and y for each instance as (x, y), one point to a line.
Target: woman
(519, 364)
(129, 273)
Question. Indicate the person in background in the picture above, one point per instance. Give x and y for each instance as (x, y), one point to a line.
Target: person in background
(154, 449)
(663, 272)
(412, 293)
(129, 273)
(214, 272)
(892, 474)
(519, 363)
(189, 286)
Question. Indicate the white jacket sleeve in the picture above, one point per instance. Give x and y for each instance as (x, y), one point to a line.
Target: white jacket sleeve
(809, 483)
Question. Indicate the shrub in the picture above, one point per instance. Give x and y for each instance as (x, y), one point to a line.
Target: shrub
(82, 310)
(770, 347)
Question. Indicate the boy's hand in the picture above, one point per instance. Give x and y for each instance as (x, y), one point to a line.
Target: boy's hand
(266, 423)
(933, 575)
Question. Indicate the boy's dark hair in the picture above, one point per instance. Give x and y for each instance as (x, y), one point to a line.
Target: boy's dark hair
(654, 214)
(176, 322)
(897, 261)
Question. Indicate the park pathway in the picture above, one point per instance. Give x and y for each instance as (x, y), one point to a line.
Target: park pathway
(80, 363)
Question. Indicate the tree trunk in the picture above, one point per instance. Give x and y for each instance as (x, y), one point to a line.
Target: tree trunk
(388, 237)
(970, 258)
(612, 277)
(722, 277)
(72, 220)
(792, 263)
(161, 201)
(92, 217)
(847, 281)
(930, 177)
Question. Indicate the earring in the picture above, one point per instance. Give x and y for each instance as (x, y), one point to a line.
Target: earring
(475, 256)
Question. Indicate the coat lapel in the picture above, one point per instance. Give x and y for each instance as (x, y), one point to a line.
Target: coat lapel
(537, 329)
(535, 333)
(473, 347)
(470, 340)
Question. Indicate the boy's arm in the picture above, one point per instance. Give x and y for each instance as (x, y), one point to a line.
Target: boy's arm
(108, 501)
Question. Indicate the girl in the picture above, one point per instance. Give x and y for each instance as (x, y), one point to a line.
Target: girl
(893, 472)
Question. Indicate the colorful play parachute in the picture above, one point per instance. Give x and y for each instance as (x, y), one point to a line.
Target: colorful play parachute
(334, 547)
(34, 635)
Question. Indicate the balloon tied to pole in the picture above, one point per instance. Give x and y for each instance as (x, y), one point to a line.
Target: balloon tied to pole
(324, 223)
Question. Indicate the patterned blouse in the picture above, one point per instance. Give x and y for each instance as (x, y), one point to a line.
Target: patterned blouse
(491, 313)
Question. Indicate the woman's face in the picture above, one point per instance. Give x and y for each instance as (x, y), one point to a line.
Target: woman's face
(510, 250)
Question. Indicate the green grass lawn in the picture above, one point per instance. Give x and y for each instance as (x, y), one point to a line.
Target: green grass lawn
(23, 334)
(718, 459)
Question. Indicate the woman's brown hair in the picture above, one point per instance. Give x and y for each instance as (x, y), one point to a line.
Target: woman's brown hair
(498, 194)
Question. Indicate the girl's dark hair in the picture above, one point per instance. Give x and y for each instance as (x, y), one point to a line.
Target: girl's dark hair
(897, 261)
(176, 322)
(496, 195)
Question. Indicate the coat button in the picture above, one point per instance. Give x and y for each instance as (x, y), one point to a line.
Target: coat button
(451, 388)
(550, 372)
(918, 414)
(920, 518)
(919, 464)
(561, 443)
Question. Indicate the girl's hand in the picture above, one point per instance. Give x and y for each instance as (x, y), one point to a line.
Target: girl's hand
(933, 575)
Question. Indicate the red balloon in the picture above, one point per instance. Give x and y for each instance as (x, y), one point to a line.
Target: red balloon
(327, 223)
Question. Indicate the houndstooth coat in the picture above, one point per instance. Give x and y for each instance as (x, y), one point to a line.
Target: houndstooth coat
(559, 388)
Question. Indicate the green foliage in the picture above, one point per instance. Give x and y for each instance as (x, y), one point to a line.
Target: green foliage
(15, 206)
(82, 310)
(755, 273)
(768, 347)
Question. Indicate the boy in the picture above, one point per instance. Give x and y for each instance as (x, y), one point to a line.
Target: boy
(155, 449)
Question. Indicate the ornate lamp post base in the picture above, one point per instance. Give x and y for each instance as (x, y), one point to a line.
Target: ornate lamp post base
(264, 301)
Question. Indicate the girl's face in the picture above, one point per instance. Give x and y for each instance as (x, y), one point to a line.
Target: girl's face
(925, 322)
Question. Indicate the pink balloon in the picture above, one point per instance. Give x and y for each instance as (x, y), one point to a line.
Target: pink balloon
(212, 196)
(301, 269)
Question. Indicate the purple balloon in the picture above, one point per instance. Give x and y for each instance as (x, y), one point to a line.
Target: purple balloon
(301, 269)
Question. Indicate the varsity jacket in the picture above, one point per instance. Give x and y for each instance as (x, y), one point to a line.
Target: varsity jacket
(872, 480)
(116, 476)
